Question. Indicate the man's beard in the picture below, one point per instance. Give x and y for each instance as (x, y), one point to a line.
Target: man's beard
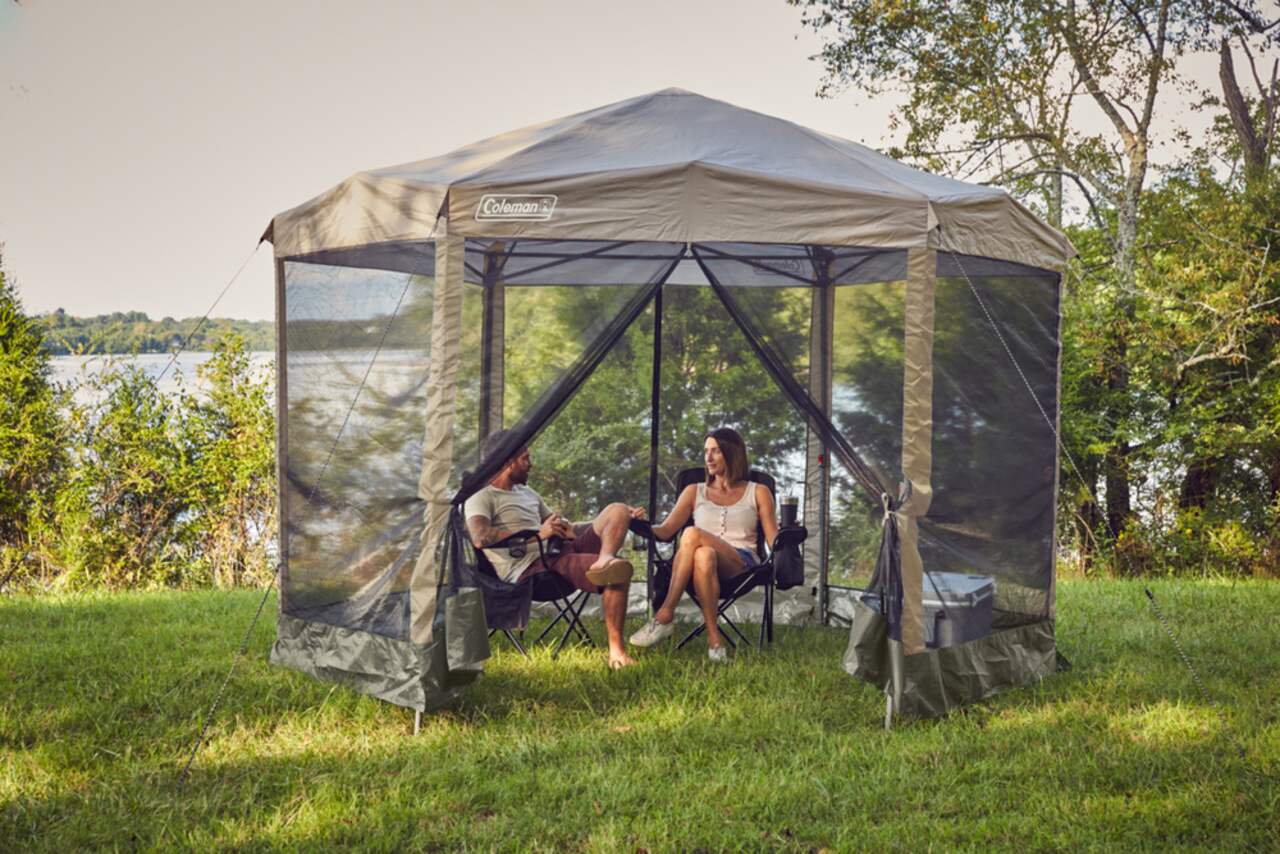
(520, 476)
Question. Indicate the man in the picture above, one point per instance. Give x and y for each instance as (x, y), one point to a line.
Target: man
(590, 556)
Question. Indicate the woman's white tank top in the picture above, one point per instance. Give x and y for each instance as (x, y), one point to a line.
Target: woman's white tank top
(735, 524)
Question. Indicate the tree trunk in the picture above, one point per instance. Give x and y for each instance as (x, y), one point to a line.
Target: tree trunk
(1088, 515)
(1199, 483)
(1055, 196)
(1119, 506)
(1252, 147)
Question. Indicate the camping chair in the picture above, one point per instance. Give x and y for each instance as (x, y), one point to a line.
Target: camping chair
(763, 575)
(506, 603)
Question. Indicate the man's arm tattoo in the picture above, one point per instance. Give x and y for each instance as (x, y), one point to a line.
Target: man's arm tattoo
(483, 532)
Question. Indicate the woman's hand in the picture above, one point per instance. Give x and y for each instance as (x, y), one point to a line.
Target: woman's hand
(639, 513)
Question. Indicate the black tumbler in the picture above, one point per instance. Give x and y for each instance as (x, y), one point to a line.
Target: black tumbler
(789, 507)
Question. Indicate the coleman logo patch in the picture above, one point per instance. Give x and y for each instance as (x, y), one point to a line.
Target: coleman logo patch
(515, 208)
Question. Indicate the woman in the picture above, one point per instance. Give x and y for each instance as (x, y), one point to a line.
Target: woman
(721, 545)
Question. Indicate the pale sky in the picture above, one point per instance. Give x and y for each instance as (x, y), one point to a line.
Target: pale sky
(147, 144)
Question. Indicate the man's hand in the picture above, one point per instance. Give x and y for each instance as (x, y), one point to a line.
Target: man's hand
(639, 513)
(556, 525)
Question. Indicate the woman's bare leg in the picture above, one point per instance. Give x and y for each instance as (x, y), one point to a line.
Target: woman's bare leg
(681, 572)
(706, 583)
(685, 568)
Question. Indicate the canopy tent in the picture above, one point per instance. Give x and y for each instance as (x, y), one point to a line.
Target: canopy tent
(909, 321)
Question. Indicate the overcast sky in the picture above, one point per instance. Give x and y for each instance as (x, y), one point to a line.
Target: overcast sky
(147, 144)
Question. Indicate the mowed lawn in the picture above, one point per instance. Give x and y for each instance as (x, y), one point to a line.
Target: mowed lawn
(101, 697)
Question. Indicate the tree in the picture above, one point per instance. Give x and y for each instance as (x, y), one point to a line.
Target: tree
(32, 457)
(1254, 125)
(1013, 79)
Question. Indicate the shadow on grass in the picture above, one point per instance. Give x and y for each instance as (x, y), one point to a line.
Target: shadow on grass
(662, 776)
(779, 750)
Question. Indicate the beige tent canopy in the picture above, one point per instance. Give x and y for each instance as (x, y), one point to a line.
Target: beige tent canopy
(673, 166)
(392, 289)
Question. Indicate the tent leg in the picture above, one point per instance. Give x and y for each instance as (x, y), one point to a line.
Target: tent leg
(894, 689)
(888, 706)
(417, 721)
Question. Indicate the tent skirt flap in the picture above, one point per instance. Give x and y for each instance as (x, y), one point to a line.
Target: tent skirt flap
(939, 680)
(422, 677)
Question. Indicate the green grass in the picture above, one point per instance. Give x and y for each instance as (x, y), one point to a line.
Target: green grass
(101, 697)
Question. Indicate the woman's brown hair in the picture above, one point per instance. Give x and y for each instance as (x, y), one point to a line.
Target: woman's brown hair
(734, 451)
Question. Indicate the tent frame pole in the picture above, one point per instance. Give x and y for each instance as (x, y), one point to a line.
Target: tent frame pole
(493, 339)
(282, 436)
(818, 463)
(654, 415)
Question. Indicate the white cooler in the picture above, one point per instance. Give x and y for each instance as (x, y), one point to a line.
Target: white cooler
(957, 607)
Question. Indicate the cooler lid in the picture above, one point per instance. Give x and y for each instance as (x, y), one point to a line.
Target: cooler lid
(957, 588)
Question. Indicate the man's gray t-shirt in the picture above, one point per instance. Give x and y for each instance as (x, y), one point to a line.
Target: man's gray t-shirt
(512, 510)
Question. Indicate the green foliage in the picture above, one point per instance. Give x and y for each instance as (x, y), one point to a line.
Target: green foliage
(1170, 364)
(117, 521)
(166, 490)
(1201, 408)
(32, 454)
(596, 450)
(104, 695)
(135, 332)
(229, 435)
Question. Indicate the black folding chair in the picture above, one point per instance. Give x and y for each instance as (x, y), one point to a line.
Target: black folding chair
(762, 575)
(506, 603)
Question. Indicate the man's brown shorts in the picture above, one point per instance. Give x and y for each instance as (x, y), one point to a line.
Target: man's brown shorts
(573, 562)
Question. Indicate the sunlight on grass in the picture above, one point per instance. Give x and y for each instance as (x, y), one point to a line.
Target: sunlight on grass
(779, 750)
(1167, 723)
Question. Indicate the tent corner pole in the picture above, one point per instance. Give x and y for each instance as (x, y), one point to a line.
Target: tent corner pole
(282, 436)
(655, 393)
(894, 689)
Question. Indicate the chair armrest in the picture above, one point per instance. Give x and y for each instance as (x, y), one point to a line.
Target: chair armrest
(644, 528)
(518, 538)
(792, 535)
(519, 541)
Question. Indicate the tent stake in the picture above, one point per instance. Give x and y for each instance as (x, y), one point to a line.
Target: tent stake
(417, 721)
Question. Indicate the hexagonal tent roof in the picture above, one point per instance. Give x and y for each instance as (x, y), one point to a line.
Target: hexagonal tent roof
(670, 166)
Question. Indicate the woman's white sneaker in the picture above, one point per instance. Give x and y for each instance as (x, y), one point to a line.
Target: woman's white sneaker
(652, 632)
(718, 654)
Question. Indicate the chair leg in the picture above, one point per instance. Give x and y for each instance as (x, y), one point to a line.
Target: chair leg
(769, 594)
(734, 626)
(551, 625)
(764, 621)
(582, 598)
(515, 642)
(574, 623)
(693, 634)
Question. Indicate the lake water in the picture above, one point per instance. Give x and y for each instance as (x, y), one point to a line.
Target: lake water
(76, 370)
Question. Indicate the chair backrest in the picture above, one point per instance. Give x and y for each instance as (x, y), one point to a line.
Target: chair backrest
(698, 475)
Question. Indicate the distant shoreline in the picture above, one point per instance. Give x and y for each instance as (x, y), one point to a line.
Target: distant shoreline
(134, 333)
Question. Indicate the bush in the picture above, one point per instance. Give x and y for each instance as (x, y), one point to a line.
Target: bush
(118, 514)
(230, 440)
(32, 438)
(170, 490)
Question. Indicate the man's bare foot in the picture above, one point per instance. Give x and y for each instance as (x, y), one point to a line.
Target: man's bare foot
(619, 660)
